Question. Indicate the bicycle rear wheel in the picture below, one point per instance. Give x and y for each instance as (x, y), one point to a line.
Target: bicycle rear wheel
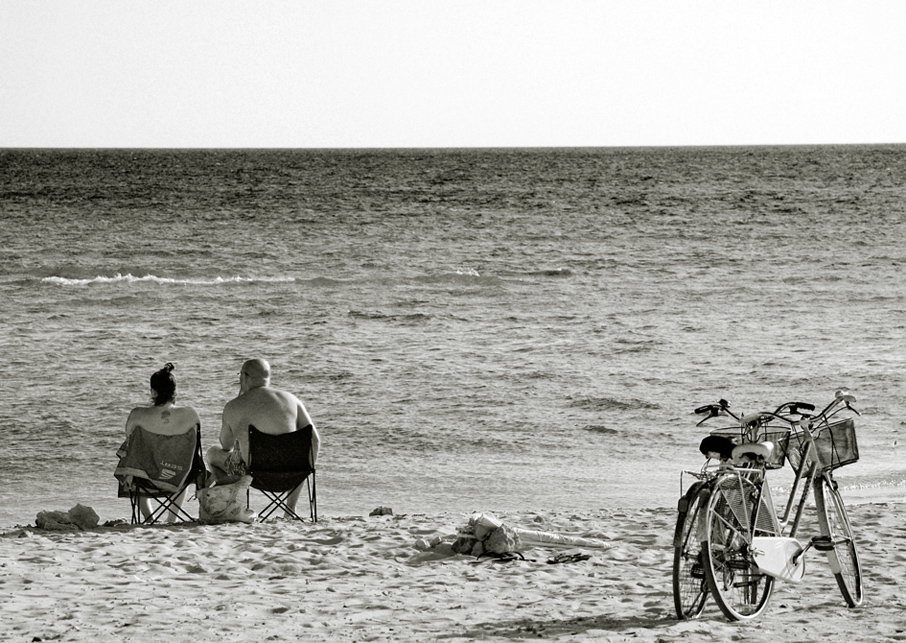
(690, 587)
(733, 517)
(837, 540)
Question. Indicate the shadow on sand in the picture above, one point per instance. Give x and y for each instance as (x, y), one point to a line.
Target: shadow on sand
(535, 628)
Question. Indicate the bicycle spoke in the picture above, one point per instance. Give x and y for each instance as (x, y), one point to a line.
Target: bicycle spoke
(739, 589)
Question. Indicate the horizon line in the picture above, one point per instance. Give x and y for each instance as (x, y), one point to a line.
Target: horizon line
(444, 147)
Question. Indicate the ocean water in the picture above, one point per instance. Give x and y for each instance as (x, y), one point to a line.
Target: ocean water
(470, 329)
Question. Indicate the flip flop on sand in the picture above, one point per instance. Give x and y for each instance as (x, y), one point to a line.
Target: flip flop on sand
(567, 558)
(505, 557)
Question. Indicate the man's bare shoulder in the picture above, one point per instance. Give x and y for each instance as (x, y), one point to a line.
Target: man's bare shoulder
(237, 402)
(286, 395)
(244, 404)
(266, 394)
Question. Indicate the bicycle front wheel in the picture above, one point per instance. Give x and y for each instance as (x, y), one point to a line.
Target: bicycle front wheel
(735, 513)
(837, 540)
(690, 588)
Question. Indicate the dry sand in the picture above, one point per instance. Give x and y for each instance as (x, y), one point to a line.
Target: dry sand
(362, 579)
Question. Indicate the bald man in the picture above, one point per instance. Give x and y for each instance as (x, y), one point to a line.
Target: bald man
(269, 410)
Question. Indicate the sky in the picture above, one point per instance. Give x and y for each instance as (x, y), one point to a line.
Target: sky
(448, 73)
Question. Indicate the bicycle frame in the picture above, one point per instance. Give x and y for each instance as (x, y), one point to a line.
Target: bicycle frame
(744, 543)
(800, 475)
(808, 469)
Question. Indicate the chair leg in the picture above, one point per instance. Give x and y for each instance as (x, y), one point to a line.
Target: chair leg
(281, 499)
(165, 504)
(313, 498)
(278, 500)
(165, 507)
(134, 503)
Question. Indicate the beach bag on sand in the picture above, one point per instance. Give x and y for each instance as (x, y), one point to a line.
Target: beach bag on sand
(225, 503)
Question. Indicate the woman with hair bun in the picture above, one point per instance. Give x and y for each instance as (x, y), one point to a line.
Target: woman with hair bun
(164, 418)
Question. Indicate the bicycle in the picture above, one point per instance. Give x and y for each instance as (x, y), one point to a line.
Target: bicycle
(730, 543)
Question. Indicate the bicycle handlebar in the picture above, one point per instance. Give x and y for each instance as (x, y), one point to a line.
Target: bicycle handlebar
(841, 396)
(802, 409)
(722, 408)
(795, 408)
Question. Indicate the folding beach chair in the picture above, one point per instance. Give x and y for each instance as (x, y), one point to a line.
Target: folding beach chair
(280, 464)
(161, 468)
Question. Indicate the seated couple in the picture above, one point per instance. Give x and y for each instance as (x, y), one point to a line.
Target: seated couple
(268, 409)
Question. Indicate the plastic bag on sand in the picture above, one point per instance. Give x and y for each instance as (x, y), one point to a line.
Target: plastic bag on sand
(502, 540)
(225, 503)
(483, 524)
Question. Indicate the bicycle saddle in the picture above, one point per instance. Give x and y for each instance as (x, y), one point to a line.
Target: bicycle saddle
(717, 444)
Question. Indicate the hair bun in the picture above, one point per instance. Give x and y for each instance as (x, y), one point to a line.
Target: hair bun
(164, 385)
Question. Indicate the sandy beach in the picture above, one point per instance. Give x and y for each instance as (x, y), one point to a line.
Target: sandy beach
(362, 578)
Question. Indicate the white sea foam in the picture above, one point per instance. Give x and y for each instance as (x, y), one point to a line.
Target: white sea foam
(128, 278)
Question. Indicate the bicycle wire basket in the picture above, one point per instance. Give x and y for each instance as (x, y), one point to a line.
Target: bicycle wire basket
(835, 445)
(778, 436)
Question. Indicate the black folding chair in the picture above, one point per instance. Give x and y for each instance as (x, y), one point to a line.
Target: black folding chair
(281, 464)
(159, 457)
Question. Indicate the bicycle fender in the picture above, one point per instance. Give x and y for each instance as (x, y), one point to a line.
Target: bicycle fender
(682, 507)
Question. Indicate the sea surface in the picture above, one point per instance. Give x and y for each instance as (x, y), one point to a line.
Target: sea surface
(471, 330)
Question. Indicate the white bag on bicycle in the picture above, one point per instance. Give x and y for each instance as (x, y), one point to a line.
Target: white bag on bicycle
(774, 556)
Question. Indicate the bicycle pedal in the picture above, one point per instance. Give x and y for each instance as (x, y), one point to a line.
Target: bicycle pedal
(697, 571)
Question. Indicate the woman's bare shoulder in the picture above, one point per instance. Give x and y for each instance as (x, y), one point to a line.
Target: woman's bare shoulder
(167, 420)
(185, 415)
(185, 410)
(141, 412)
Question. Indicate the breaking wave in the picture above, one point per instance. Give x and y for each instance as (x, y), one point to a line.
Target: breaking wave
(196, 281)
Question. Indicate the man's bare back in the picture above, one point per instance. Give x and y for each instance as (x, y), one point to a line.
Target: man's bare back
(268, 409)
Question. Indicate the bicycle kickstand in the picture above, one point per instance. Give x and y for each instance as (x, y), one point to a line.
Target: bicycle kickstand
(821, 543)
